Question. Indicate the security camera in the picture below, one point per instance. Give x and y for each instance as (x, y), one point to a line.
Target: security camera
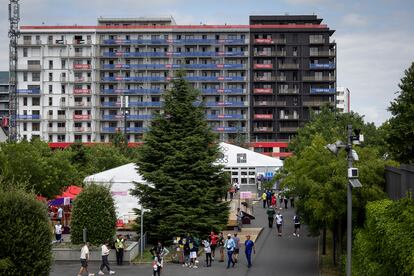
(353, 173)
(355, 155)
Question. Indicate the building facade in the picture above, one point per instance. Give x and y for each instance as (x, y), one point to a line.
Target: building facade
(343, 100)
(4, 94)
(257, 82)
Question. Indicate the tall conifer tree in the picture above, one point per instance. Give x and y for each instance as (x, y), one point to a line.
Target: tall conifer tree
(177, 158)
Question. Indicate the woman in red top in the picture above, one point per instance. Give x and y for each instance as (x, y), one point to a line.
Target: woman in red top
(213, 243)
(274, 201)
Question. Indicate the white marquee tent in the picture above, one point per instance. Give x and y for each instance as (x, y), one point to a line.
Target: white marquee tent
(244, 165)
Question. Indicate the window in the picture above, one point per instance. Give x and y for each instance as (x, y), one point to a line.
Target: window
(35, 76)
(25, 101)
(50, 64)
(50, 101)
(63, 61)
(25, 50)
(24, 126)
(35, 126)
(50, 89)
(61, 138)
(63, 89)
(36, 102)
(50, 76)
(24, 76)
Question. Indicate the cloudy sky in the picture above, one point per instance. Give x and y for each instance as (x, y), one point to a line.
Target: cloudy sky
(375, 38)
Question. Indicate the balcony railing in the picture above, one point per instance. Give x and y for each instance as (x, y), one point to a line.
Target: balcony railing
(136, 91)
(322, 90)
(82, 104)
(323, 54)
(82, 66)
(280, 103)
(263, 129)
(262, 66)
(281, 78)
(35, 91)
(118, 117)
(264, 78)
(316, 78)
(172, 66)
(121, 129)
(83, 79)
(82, 129)
(81, 117)
(289, 117)
(57, 130)
(176, 54)
(28, 117)
(322, 66)
(288, 129)
(289, 91)
(263, 116)
(313, 40)
(264, 41)
(208, 91)
(226, 117)
(34, 67)
(280, 40)
(264, 103)
(229, 129)
(174, 41)
(262, 91)
(226, 104)
(81, 91)
(281, 53)
(288, 66)
(315, 103)
(263, 54)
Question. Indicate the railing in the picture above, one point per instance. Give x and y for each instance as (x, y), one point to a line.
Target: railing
(264, 103)
(288, 129)
(173, 41)
(315, 78)
(81, 117)
(263, 116)
(315, 103)
(36, 67)
(129, 117)
(132, 91)
(289, 66)
(264, 41)
(262, 66)
(280, 103)
(229, 129)
(121, 129)
(322, 54)
(82, 104)
(173, 66)
(28, 117)
(322, 90)
(83, 79)
(223, 91)
(28, 91)
(81, 91)
(57, 42)
(263, 54)
(289, 117)
(226, 116)
(146, 104)
(58, 130)
(264, 78)
(82, 129)
(263, 129)
(175, 54)
(280, 40)
(58, 118)
(322, 66)
(316, 40)
(262, 91)
(281, 78)
(232, 104)
(281, 53)
(81, 66)
(289, 91)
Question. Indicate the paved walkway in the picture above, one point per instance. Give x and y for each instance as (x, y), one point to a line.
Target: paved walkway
(286, 255)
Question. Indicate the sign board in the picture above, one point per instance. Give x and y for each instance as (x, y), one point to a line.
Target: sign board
(245, 195)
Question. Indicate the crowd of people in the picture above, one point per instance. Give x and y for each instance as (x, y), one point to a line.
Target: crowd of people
(270, 199)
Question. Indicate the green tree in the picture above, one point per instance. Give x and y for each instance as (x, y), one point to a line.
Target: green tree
(94, 210)
(386, 244)
(25, 235)
(177, 158)
(400, 129)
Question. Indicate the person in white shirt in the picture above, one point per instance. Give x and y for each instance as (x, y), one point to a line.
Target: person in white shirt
(105, 263)
(58, 232)
(60, 214)
(84, 257)
(207, 250)
(279, 222)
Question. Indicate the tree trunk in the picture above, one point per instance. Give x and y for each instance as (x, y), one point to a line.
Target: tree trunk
(340, 238)
(334, 234)
(324, 240)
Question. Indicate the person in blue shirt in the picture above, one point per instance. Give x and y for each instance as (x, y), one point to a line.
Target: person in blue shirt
(230, 246)
(249, 248)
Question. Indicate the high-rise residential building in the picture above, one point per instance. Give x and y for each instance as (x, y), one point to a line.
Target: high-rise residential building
(258, 82)
(4, 94)
(343, 100)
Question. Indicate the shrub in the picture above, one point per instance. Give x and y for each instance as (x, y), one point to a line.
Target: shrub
(94, 210)
(25, 235)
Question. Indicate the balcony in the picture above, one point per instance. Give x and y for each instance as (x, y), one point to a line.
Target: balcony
(82, 104)
(289, 117)
(322, 66)
(175, 54)
(322, 90)
(280, 53)
(281, 78)
(264, 41)
(57, 130)
(82, 42)
(58, 118)
(280, 40)
(226, 104)
(160, 41)
(137, 91)
(316, 103)
(212, 91)
(118, 117)
(263, 54)
(280, 103)
(317, 78)
(57, 42)
(288, 129)
(263, 129)
(262, 66)
(81, 117)
(82, 79)
(264, 103)
(289, 66)
(34, 67)
(289, 91)
(263, 116)
(111, 104)
(33, 91)
(146, 104)
(28, 117)
(82, 66)
(82, 129)
(264, 78)
(121, 129)
(262, 91)
(226, 117)
(313, 40)
(81, 91)
(331, 53)
(229, 129)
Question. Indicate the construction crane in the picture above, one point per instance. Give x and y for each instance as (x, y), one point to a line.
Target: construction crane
(14, 18)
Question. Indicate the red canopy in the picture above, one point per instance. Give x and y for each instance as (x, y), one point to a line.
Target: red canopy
(71, 192)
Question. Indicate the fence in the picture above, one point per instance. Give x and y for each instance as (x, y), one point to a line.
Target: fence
(399, 181)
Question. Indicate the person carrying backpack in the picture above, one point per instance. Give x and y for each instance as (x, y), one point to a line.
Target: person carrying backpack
(270, 214)
(279, 223)
(296, 221)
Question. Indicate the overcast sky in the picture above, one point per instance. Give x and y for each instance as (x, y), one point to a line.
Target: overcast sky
(375, 38)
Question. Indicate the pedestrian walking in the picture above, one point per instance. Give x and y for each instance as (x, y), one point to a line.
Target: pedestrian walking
(285, 200)
(249, 248)
(236, 247)
(119, 247)
(213, 244)
(207, 251)
(105, 262)
(193, 254)
(270, 215)
(220, 245)
(84, 258)
(156, 265)
(273, 201)
(58, 232)
(229, 245)
(264, 199)
(280, 201)
(279, 223)
(296, 221)
(186, 252)
(160, 251)
(239, 219)
(269, 197)
(231, 191)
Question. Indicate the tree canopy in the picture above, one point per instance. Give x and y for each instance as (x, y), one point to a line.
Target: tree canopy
(177, 158)
(400, 127)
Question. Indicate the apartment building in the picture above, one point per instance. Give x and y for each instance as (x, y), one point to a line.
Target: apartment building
(343, 100)
(4, 94)
(257, 81)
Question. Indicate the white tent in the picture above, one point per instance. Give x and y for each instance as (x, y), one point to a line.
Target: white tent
(121, 180)
(245, 166)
